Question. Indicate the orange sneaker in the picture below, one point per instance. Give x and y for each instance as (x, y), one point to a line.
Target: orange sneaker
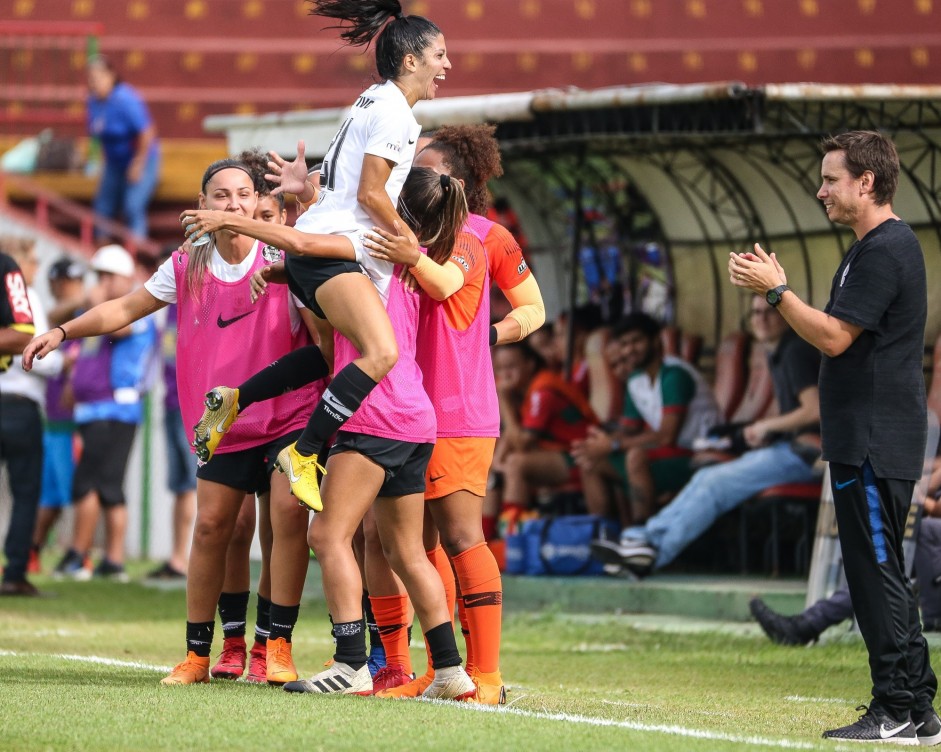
(280, 665)
(389, 677)
(231, 663)
(258, 664)
(489, 688)
(33, 566)
(415, 688)
(194, 670)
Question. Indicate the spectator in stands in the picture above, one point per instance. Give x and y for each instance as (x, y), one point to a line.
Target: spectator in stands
(119, 120)
(667, 405)
(67, 284)
(21, 402)
(541, 415)
(181, 462)
(108, 382)
(807, 626)
(784, 450)
(586, 320)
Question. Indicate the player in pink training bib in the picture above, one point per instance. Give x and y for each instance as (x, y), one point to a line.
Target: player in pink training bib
(218, 330)
(362, 174)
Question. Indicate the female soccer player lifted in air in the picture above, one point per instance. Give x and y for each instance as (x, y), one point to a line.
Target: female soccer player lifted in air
(362, 175)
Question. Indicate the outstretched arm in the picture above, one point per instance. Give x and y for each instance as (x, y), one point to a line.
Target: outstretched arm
(288, 239)
(107, 317)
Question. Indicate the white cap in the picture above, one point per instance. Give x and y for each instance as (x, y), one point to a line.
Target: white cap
(113, 259)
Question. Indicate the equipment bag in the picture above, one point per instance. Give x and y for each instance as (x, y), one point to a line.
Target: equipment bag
(558, 545)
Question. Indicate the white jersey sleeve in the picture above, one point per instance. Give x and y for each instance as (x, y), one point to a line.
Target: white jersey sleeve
(162, 285)
(391, 130)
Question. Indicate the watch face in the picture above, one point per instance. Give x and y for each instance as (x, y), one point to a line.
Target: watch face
(773, 297)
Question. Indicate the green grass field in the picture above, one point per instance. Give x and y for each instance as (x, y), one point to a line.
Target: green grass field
(79, 670)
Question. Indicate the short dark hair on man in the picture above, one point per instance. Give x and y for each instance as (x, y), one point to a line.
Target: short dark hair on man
(637, 322)
(869, 150)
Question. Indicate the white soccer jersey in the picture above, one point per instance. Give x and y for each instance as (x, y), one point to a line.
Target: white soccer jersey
(380, 122)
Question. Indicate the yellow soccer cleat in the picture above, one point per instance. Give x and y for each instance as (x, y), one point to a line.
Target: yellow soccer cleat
(302, 475)
(489, 688)
(222, 408)
(194, 670)
(280, 665)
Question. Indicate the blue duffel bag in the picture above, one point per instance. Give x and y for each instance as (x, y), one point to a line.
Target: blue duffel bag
(558, 545)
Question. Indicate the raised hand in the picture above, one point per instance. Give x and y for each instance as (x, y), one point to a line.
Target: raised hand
(290, 177)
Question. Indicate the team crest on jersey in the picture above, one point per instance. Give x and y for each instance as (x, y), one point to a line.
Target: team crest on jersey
(270, 254)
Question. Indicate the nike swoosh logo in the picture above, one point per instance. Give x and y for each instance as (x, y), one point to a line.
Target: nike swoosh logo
(223, 323)
(293, 478)
(845, 483)
(885, 733)
(412, 141)
(437, 478)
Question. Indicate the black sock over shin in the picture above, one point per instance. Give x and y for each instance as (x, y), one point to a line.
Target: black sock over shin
(340, 400)
(289, 372)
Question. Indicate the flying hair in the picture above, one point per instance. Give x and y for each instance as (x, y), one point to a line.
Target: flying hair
(396, 34)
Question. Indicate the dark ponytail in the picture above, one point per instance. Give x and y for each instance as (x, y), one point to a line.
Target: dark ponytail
(435, 208)
(368, 18)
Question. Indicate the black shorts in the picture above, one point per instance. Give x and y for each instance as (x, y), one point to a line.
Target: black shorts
(247, 470)
(106, 447)
(306, 275)
(405, 463)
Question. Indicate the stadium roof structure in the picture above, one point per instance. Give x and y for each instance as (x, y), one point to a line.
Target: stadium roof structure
(705, 167)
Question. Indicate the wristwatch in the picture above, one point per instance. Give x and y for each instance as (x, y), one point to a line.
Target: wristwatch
(774, 296)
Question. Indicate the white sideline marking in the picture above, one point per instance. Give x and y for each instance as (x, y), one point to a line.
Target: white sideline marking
(830, 700)
(632, 725)
(92, 659)
(564, 717)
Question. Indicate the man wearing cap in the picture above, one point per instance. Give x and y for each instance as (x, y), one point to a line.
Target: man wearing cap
(67, 284)
(108, 381)
(21, 398)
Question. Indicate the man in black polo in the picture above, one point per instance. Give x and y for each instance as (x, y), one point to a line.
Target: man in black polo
(873, 418)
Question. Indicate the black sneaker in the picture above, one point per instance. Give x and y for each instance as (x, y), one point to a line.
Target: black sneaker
(111, 571)
(637, 557)
(783, 630)
(927, 727)
(166, 572)
(876, 728)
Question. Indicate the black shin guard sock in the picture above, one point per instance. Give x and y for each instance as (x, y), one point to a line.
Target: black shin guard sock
(289, 372)
(283, 619)
(375, 640)
(199, 637)
(340, 400)
(351, 644)
(262, 619)
(443, 646)
(233, 613)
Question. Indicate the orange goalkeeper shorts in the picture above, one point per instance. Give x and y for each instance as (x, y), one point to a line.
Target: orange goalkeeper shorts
(459, 464)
